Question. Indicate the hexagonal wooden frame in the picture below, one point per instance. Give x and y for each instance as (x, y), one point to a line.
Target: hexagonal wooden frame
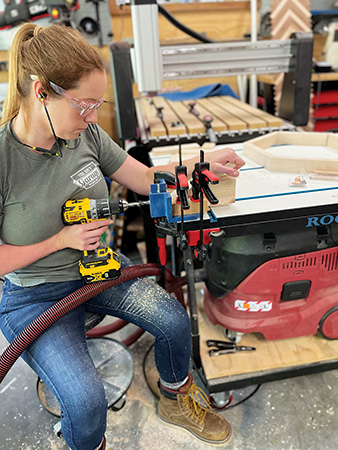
(256, 149)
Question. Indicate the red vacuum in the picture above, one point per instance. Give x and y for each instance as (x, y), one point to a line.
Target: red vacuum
(281, 285)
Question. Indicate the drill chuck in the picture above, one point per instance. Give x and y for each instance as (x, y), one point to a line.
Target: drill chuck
(99, 209)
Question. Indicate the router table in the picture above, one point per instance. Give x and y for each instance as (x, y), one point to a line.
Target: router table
(264, 202)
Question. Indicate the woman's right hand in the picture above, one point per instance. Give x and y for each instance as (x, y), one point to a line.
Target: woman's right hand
(85, 236)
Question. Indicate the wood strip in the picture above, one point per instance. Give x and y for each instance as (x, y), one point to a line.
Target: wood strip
(217, 124)
(172, 122)
(154, 124)
(243, 115)
(194, 206)
(193, 124)
(232, 122)
(257, 150)
(271, 121)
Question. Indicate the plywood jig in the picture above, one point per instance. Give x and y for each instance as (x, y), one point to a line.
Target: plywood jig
(294, 152)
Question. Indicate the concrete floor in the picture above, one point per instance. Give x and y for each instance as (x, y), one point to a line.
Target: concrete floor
(292, 414)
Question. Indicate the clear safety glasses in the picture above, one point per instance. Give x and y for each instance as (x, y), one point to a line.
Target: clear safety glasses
(84, 108)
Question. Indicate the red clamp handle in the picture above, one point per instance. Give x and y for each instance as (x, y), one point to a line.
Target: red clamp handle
(162, 250)
(210, 176)
(183, 180)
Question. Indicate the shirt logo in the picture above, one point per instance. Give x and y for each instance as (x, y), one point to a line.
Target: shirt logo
(87, 177)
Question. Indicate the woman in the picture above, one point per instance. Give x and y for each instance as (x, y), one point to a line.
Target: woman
(51, 151)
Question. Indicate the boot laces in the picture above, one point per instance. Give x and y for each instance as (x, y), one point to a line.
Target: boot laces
(191, 401)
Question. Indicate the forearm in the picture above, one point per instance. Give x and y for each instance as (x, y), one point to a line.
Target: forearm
(81, 237)
(138, 177)
(221, 162)
(14, 257)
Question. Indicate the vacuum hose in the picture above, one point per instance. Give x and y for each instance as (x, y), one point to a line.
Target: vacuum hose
(71, 301)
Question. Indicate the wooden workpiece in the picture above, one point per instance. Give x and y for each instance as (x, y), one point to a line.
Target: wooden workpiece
(194, 206)
(303, 152)
(225, 190)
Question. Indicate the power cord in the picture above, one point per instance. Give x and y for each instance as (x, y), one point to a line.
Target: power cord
(144, 364)
(212, 402)
(228, 405)
(183, 27)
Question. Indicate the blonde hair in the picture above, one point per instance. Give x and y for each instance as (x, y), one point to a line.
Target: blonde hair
(55, 53)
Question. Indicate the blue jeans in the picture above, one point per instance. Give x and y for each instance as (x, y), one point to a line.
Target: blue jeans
(60, 356)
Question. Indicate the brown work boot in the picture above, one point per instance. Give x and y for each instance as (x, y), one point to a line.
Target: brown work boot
(182, 408)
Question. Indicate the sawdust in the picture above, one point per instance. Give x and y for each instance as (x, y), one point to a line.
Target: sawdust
(55, 445)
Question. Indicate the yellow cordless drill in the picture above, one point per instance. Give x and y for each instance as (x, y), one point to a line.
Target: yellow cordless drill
(103, 263)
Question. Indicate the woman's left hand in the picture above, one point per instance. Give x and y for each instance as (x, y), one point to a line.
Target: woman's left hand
(225, 161)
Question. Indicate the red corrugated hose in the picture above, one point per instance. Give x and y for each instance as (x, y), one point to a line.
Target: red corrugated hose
(71, 301)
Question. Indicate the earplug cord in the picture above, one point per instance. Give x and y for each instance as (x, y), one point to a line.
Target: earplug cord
(41, 149)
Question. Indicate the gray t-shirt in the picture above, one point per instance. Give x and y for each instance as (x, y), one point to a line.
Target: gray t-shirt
(33, 188)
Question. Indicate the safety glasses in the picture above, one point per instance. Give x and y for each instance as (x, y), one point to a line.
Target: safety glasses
(82, 107)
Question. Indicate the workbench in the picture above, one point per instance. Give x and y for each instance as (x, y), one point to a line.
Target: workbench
(265, 203)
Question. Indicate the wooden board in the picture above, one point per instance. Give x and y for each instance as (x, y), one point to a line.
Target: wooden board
(231, 121)
(259, 150)
(194, 206)
(153, 123)
(217, 124)
(225, 190)
(268, 356)
(193, 124)
(171, 120)
(228, 113)
(269, 119)
(250, 120)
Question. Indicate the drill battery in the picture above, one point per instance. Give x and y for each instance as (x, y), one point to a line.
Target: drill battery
(103, 263)
(100, 265)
